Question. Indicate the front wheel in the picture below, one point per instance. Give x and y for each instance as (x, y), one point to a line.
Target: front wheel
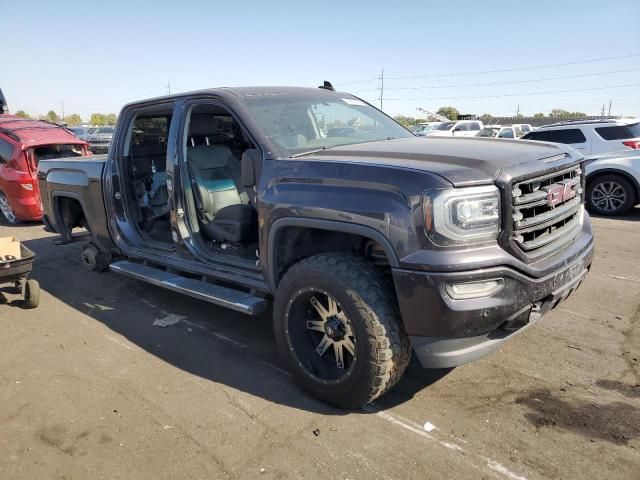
(610, 195)
(337, 330)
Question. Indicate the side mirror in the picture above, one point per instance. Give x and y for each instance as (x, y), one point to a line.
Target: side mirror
(250, 159)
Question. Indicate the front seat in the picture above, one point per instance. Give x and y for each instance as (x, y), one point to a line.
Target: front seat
(226, 215)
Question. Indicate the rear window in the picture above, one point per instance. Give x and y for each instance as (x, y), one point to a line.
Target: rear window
(47, 152)
(619, 132)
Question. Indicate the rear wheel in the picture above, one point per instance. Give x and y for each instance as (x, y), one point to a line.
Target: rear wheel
(5, 208)
(610, 195)
(93, 259)
(336, 326)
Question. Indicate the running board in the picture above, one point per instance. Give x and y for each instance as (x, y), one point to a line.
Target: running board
(226, 297)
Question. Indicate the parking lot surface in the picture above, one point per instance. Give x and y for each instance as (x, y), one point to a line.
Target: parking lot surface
(91, 388)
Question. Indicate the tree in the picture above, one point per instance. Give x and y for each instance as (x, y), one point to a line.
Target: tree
(111, 119)
(22, 114)
(539, 116)
(51, 116)
(486, 117)
(405, 121)
(449, 112)
(73, 119)
(97, 119)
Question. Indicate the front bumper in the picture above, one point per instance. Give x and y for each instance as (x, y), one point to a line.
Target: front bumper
(445, 332)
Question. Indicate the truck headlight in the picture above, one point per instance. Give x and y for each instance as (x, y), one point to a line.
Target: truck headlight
(462, 216)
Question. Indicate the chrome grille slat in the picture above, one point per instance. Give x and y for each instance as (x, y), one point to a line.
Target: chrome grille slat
(542, 222)
(545, 240)
(549, 218)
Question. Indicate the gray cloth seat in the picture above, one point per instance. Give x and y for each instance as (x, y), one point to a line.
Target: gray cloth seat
(225, 206)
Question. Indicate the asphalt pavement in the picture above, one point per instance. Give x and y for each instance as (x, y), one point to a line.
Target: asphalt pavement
(91, 389)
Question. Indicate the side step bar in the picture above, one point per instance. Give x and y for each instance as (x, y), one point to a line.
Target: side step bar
(226, 297)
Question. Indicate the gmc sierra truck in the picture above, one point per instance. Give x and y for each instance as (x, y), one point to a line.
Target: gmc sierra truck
(370, 242)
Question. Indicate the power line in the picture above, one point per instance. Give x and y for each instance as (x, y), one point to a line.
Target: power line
(512, 82)
(532, 67)
(517, 94)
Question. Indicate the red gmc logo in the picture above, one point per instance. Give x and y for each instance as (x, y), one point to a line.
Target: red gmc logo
(561, 192)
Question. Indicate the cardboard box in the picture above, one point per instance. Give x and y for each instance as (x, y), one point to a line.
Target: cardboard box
(9, 249)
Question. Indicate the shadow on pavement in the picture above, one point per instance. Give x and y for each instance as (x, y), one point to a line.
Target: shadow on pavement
(214, 343)
(632, 215)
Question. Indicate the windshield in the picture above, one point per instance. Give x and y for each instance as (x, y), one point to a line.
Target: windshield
(104, 130)
(305, 123)
(445, 126)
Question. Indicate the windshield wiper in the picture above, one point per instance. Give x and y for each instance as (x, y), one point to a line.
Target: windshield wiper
(310, 152)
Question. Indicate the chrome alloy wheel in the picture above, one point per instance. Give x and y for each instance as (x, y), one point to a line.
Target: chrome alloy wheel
(335, 329)
(608, 196)
(321, 335)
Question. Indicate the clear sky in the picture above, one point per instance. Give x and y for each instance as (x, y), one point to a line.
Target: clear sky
(95, 56)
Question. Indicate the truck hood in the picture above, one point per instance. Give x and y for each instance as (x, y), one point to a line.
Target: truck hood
(462, 161)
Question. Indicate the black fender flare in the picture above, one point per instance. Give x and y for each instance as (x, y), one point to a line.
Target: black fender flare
(330, 225)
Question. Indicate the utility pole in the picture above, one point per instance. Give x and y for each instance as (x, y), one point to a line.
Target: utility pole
(381, 87)
(518, 111)
(610, 102)
(62, 107)
(169, 87)
(602, 111)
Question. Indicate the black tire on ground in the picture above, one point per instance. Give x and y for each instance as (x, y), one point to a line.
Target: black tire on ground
(94, 259)
(622, 195)
(31, 294)
(6, 211)
(382, 348)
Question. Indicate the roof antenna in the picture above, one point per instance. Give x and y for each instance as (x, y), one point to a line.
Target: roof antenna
(327, 86)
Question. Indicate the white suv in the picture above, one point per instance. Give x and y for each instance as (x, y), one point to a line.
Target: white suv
(460, 128)
(592, 137)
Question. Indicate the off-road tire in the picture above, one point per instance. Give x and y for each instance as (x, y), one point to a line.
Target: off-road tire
(629, 189)
(31, 294)
(383, 349)
(95, 260)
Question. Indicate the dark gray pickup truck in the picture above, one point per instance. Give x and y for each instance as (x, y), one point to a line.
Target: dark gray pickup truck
(369, 241)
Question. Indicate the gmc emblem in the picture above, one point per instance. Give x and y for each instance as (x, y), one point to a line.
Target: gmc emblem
(561, 192)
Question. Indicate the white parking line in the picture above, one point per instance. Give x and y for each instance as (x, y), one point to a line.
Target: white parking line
(465, 455)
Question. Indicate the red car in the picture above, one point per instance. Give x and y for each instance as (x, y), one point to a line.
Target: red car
(23, 143)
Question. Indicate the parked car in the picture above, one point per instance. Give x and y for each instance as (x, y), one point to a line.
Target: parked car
(370, 244)
(521, 128)
(23, 144)
(100, 139)
(424, 128)
(613, 182)
(592, 137)
(497, 131)
(83, 133)
(460, 128)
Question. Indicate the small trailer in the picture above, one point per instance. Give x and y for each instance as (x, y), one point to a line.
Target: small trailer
(16, 262)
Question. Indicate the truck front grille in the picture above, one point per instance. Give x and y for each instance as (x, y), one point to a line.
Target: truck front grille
(546, 211)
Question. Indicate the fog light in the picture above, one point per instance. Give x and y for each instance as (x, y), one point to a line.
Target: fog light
(485, 288)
